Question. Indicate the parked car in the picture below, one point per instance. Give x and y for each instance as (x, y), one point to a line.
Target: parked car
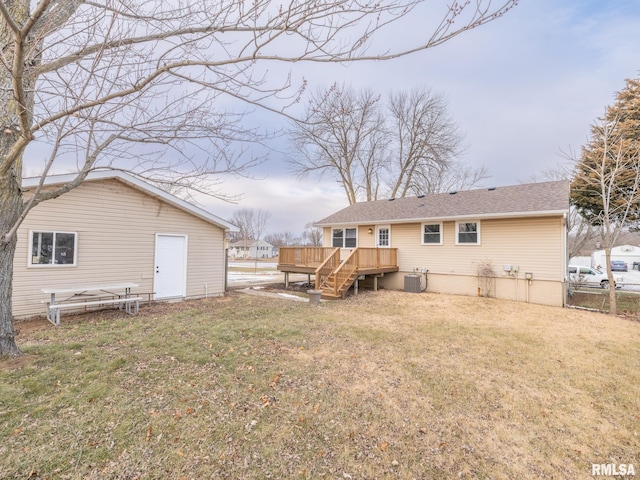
(581, 276)
(619, 266)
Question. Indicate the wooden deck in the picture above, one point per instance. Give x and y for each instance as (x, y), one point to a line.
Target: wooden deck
(335, 276)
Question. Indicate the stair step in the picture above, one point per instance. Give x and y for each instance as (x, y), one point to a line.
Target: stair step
(330, 296)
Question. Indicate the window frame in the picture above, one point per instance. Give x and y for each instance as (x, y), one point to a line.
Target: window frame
(30, 263)
(440, 233)
(344, 237)
(478, 231)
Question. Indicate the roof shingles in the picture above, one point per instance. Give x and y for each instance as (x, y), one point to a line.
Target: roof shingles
(531, 199)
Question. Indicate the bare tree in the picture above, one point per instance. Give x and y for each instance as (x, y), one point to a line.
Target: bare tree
(372, 151)
(312, 235)
(606, 187)
(148, 86)
(425, 142)
(260, 220)
(251, 224)
(243, 219)
(282, 239)
(343, 136)
(455, 176)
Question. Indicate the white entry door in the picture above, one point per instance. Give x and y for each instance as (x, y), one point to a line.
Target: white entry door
(170, 277)
(383, 236)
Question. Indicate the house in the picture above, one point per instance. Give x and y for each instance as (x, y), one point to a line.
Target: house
(506, 242)
(250, 249)
(116, 228)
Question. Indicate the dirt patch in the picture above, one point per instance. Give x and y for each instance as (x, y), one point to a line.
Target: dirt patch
(16, 363)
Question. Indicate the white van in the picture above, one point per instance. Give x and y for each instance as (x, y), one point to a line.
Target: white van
(581, 276)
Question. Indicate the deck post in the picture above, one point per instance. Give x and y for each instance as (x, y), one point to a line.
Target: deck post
(286, 279)
(375, 283)
(355, 286)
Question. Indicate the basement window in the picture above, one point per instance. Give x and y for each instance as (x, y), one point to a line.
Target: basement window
(52, 248)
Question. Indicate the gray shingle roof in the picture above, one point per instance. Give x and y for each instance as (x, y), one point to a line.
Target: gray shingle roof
(533, 199)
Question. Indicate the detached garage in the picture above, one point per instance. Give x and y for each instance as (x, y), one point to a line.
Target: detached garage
(116, 228)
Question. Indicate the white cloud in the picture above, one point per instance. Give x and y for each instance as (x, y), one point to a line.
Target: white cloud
(291, 202)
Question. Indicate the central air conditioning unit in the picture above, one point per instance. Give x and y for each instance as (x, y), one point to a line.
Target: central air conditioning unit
(412, 283)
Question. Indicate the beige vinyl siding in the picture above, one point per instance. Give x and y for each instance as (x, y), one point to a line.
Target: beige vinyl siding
(534, 244)
(116, 228)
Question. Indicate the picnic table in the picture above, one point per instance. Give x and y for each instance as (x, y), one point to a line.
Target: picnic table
(83, 296)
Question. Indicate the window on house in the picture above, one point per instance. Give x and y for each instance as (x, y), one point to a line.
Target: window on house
(53, 248)
(432, 234)
(468, 233)
(344, 237)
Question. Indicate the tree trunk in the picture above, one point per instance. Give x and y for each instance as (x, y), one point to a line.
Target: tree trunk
(613, 303)
(11, 205)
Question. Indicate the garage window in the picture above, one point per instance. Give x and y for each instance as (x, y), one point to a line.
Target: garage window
(52, 248)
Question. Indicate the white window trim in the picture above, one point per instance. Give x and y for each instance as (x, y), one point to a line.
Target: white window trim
(422, 242)
(52, 265)
(344, 237)
(479, 229)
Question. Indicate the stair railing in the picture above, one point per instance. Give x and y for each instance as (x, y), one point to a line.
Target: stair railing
(326, 267)
(345, 273)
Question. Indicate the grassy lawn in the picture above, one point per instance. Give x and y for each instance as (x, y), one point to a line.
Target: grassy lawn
(383, 385)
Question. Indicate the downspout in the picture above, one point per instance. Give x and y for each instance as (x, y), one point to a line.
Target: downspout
(225, 252)
(565, 260)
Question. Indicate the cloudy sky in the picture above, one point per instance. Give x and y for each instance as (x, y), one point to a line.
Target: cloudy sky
(523, 89)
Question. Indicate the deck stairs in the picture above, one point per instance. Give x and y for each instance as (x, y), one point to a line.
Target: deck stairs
(338, 279)
(335, 275)
(329, 289)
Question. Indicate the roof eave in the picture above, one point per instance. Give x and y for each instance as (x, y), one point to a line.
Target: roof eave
(449, 218)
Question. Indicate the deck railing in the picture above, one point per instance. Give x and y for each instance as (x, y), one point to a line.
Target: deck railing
(308, 256)
(377, 257)
(326, 262)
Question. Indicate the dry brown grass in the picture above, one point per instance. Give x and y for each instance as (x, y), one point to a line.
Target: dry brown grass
(383, 385)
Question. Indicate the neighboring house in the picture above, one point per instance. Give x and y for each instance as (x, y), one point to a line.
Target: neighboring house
(629, 254)
(260, 249)
(507, 242)
(250, 249)
(116, 228)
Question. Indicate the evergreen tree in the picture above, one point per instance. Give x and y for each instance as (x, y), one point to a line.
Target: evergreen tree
(605, 176)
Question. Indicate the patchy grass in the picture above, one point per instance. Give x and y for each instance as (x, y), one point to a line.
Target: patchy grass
(383, 385)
